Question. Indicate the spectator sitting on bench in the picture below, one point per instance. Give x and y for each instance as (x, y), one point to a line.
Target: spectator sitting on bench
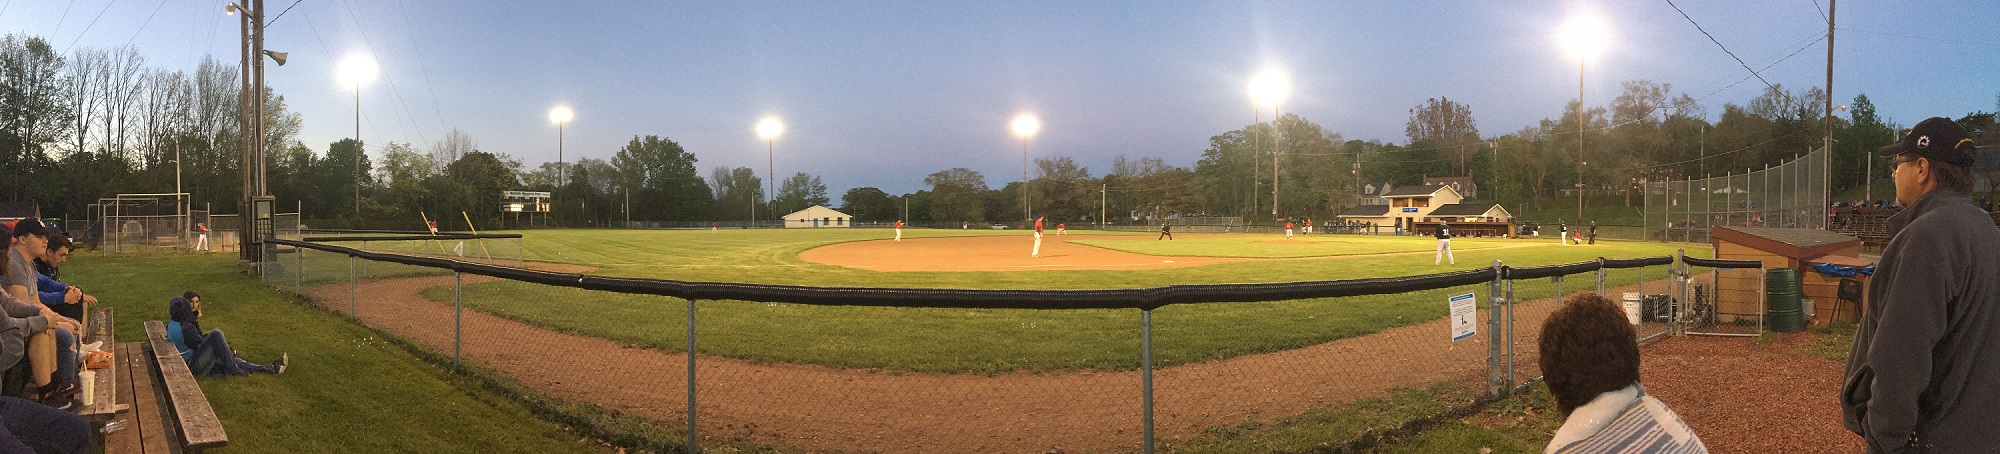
(66, 300)
(208, 354)
(28, 427)
(51, 351)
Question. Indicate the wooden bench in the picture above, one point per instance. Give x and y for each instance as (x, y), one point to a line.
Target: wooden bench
(168, 407)
(104, 386)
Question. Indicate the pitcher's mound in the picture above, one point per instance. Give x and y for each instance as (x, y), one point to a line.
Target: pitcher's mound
(992, 253)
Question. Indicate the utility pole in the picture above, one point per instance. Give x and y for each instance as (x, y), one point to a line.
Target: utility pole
(1826, 187)
(183, 212)
(1101, 207)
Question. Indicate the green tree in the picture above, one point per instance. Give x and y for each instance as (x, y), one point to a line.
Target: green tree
(1062, 190)
(737, 192)
(666, 184)
(800, 191)
(480, 177)
(957, 195)
(1448, 126)
(870, 205)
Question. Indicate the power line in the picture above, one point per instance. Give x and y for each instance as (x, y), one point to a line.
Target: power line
(149, 21)
(421, 66)
(281, 14)
(86, 28)
(1718, 43)
(1975, 43)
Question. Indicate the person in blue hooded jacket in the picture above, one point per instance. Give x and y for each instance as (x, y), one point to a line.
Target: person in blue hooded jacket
(208, 354)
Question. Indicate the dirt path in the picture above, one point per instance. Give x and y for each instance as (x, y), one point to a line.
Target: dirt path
(822, 409)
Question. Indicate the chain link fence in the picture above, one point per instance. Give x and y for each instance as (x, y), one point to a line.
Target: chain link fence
(902, 369)
(1789, 195)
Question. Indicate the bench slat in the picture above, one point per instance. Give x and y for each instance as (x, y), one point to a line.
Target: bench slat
(147, 425)
(106, 394)
(200, 429)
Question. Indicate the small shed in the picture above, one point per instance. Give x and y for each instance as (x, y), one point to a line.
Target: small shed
(817, 216)
(1797, 249)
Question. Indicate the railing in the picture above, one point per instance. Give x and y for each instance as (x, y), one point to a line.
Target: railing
(931, 369)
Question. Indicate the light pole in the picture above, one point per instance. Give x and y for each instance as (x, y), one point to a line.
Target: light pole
(250, 121)
(1025, 127)
(1585, 36)
(560, 115)
(770, 128)
(1267, 89)
(356, 70)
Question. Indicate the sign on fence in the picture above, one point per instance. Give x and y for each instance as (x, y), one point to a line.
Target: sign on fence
(1463, 310)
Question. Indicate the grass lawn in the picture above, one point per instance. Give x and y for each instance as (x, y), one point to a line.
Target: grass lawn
(347, 391)
(1522, 423)
(979, 340)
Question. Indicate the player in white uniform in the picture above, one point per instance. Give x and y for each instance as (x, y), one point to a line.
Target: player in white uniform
(899, 230)
(1038, 239)
(1443, 235)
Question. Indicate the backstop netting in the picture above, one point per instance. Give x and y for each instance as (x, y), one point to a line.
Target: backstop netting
(1789, 195)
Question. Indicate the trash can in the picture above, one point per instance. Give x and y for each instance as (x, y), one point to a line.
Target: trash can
(1633, 302)
(1781, 296)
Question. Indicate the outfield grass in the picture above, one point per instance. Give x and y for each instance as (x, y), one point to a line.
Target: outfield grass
(347, 390)
(976, 340)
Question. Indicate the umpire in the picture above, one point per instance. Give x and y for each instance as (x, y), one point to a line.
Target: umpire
(1922, 375)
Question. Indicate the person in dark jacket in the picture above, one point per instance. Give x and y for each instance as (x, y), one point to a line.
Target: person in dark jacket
(1922, 374)
(209, 354)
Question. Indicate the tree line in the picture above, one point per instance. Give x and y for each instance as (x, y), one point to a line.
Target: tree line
(96, 122)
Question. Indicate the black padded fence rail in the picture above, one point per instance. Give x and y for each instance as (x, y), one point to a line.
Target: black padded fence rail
(354, 231)
(1536, 272)
(1637, 262)
(1719, 263)
(1134, 298)
(420, 237)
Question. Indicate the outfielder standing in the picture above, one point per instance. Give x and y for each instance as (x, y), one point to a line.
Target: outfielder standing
(899, 230)
(1444, 244)
(1038, 239)
(1288, 230)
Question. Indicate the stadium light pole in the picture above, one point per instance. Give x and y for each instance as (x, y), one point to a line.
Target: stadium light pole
(769, 129)
(1025, 127)
(1584, 35)
(560, 115)
(355, 70)
(1268, 89)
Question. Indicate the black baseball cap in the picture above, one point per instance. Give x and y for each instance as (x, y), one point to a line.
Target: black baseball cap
(30, 226)
(1938, 139)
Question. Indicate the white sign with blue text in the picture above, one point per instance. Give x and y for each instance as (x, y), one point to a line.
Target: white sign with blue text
(1463, 310)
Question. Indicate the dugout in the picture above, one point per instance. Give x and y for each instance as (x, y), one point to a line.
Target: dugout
(817, 216)
(1469, 220)
(1797, 249)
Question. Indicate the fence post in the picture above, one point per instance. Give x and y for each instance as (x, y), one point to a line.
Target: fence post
(1146, 378)
(691, 446)
(457, 322)
(1600, 276)
(1678, 273)
(1493, 385)
(351, 284)
(299, 279)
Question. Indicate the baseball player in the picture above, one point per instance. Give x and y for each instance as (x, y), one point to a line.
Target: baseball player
(1061, 229)
(1166, 231)
(1443, 235)
(1288, 230)
(1038, 239)
(201, 237)
(1593, 232)
(899, 230)
(1562, 232)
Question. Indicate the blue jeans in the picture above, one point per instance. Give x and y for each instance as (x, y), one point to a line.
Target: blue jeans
(32, 427)
(65, 357)
(214, 357)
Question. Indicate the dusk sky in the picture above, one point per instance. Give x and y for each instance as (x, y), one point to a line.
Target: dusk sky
(883, 93)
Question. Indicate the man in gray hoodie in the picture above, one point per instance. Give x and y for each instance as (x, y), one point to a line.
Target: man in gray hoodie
(1922, 375)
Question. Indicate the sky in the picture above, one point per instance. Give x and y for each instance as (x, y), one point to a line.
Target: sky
(882, 94)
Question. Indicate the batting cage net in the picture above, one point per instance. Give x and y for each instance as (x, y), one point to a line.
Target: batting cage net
(808, 368)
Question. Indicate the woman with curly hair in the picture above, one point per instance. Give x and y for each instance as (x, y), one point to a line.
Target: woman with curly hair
(1590, 361)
